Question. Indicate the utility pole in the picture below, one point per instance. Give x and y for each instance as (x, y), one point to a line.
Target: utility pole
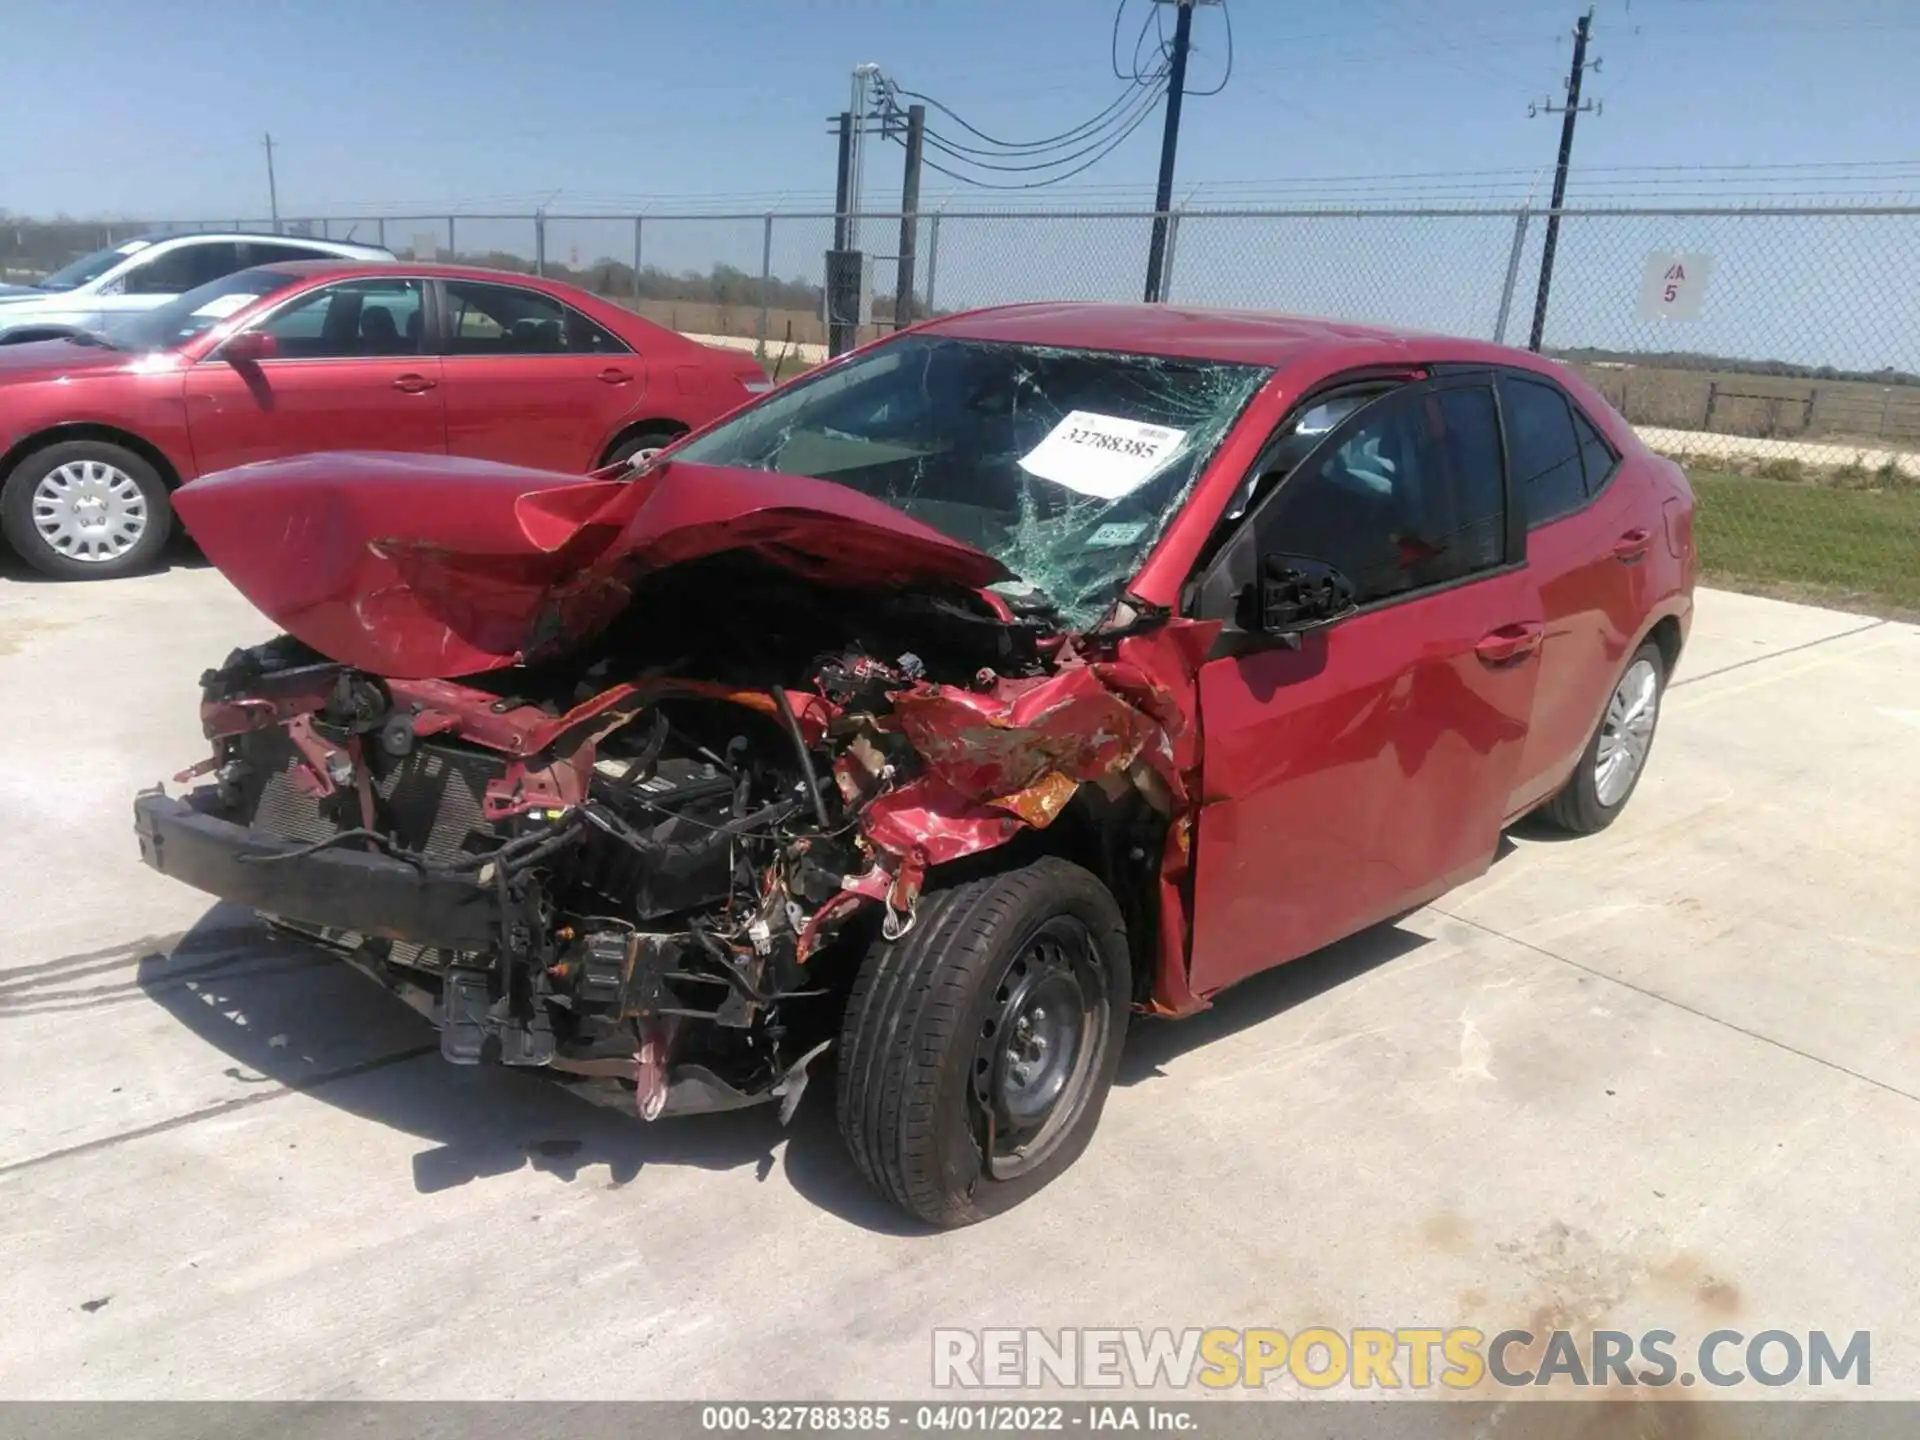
(273, 192)
(840, 297)
(1569, 113)
(1169, 140)
(909, 217)
(843, 181)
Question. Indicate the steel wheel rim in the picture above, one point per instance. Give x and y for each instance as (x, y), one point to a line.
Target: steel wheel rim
(1626, 734)
(89, 511)
(1040, 1047)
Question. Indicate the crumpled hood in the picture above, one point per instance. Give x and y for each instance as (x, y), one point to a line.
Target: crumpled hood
(419, 567)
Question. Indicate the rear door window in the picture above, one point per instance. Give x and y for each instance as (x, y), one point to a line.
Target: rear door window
(1542, 449)
(487, 319)
(260, 252)
(1596, 455)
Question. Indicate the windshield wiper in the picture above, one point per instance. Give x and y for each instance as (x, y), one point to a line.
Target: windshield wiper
(89, 337)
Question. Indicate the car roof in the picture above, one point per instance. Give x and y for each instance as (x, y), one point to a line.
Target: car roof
(349, 268)
(1187, 332)
(346, 248)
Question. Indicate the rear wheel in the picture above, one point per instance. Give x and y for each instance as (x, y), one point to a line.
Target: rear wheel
(978, 1049)
(86, 510)
(1616, 756)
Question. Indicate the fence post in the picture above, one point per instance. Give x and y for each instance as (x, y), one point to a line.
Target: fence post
(452, 249)
(1513, 275)
(766, 283)
(933, 259)
(382, 232)
(1166, 259)
(636, 262)
(1713, 394)
(540, 242)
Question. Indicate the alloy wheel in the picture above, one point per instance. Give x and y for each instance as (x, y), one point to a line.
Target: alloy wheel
(1627, 732)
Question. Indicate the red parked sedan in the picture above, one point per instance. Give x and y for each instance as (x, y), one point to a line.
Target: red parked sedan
(96, 432)
(1020, 671)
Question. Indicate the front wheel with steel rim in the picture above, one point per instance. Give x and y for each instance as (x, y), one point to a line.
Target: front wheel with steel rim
(978, 1049)
(85, 510)
(1616, 755)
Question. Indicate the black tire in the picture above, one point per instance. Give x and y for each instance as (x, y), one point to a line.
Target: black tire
(1578, 808)
(17, 519)
(654, 438)
(911, 1093)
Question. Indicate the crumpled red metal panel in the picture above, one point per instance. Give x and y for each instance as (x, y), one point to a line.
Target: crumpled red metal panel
(929, 821)
(416, 567)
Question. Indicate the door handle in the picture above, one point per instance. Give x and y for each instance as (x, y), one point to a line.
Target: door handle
(1632, 546)
(413, 384)
(1509, 643)
(614, 376)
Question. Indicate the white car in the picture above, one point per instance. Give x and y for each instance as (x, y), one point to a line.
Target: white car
(135, 275)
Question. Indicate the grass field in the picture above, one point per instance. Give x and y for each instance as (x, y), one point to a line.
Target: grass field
(1853, 549)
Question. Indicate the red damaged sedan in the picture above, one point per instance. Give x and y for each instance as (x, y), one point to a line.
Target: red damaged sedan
(98, 430)
(1029, 669)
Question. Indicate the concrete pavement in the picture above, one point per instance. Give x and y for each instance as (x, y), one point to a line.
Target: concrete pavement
(1665, 1077)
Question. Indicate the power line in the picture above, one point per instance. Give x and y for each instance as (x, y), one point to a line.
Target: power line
(1144, 103)
(1226, 19)
(1113, 145)
(1008, 148)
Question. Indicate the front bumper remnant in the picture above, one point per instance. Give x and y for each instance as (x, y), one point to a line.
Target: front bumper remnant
(340, 888)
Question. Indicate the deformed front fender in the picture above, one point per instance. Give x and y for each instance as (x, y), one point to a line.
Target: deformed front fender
(1009, 755)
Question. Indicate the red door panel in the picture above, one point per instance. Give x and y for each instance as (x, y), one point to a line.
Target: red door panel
(1360, 775)
(1591, 574)
(553, 412)
(240, 413)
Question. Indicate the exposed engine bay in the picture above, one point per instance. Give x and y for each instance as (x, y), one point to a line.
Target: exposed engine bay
(660, 856)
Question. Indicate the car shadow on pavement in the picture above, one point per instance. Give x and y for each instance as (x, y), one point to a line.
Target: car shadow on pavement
(1152, 1042)
(179, 553)
(298, 1016)
(294, 1015)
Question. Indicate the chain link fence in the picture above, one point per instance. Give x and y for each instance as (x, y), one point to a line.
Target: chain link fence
(1775, 351)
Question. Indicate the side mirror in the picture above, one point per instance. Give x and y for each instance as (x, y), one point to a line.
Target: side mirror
(250, 347)
(1293, 594)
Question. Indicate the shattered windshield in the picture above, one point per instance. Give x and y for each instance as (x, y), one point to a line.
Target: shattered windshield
(1064, 465)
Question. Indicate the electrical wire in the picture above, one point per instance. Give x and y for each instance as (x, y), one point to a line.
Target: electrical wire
(1145, 105)
(1037, 184)
(1226, 17)
(1008, 149)
(1113, 47)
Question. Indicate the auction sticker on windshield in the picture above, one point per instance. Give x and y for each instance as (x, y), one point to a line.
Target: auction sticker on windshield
(1101, 455)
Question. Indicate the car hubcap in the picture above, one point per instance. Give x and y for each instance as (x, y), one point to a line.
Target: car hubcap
(89, 511)
(1627, 732)
(1040, 1046)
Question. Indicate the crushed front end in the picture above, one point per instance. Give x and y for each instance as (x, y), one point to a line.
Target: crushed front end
(651, 866)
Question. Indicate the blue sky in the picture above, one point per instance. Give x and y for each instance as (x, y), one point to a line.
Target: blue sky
(413, 108)
(129, 107)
